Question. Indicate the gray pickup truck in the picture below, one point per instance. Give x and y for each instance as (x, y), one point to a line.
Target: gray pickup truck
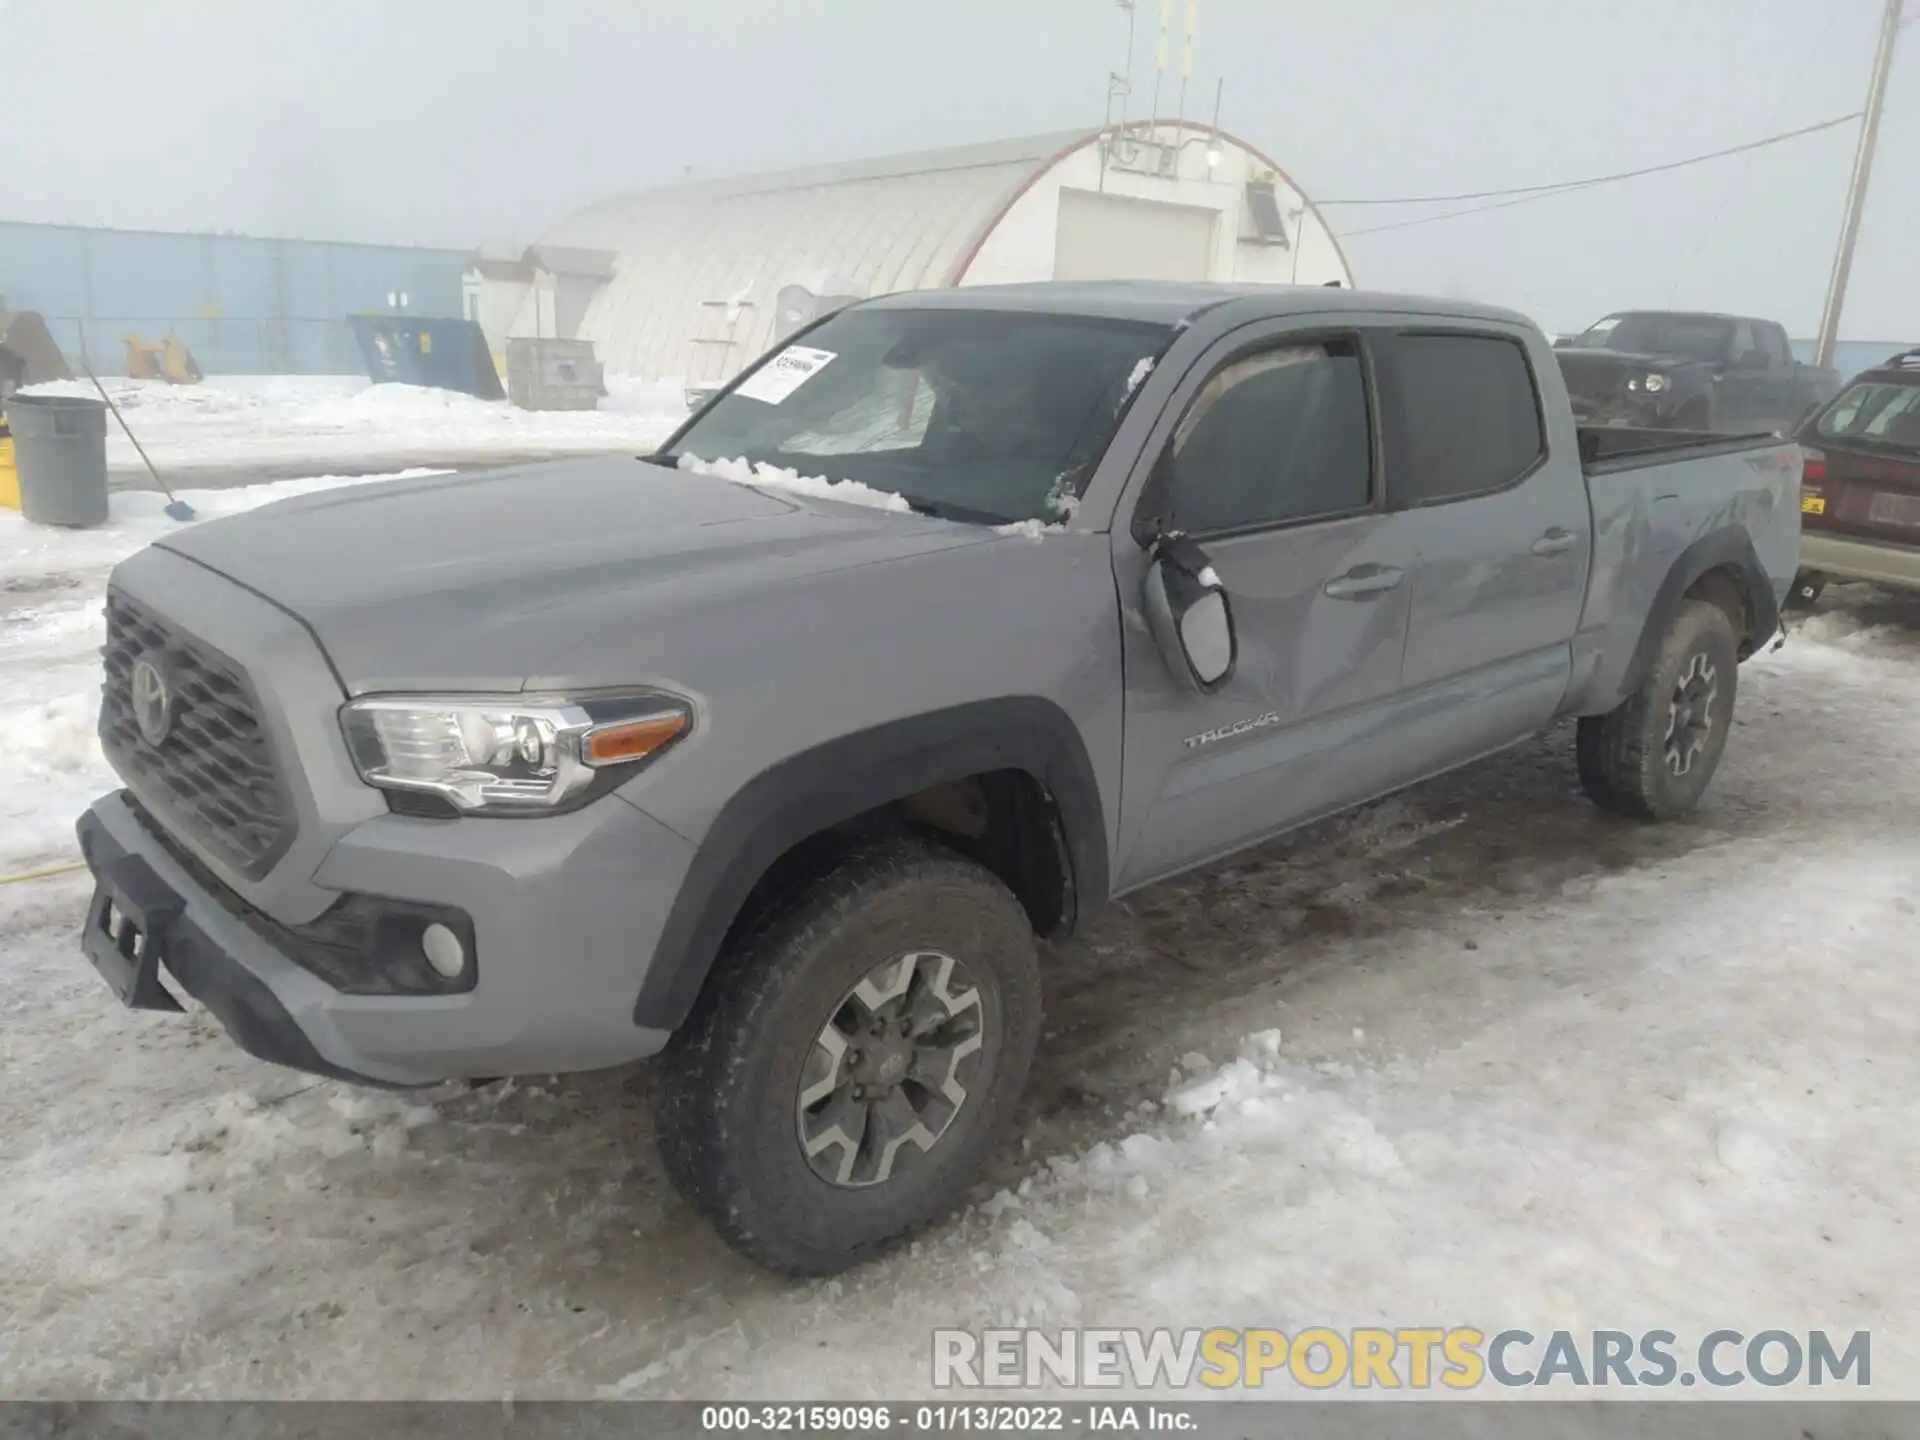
(961, 615)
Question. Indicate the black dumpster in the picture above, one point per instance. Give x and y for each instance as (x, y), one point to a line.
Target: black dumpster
(60, 450)
(414, 350)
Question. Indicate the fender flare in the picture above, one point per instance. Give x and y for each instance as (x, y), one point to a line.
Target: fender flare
(812, 791)
(1729, 548)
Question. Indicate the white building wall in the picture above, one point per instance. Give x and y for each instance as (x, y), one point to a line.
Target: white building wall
(494, 303)
(701, 265)
(1021, 247)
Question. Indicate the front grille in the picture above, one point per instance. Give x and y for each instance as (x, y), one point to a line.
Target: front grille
(212, 774)
(1594, 383)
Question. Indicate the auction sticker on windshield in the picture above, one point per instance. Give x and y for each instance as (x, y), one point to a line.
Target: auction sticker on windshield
(785, 373)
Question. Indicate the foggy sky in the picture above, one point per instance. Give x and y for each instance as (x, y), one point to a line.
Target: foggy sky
(457, 122)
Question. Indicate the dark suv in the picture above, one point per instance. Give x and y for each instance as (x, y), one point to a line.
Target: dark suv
(1860, 502)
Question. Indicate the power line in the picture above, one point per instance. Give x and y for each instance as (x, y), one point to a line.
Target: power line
(1527, 195)
(1837, 120)
(1456, 214)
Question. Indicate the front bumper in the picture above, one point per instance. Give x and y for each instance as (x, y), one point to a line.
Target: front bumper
(1843, 558)
(566, 914)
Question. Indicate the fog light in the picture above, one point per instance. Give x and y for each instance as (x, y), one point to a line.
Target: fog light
(443, 950)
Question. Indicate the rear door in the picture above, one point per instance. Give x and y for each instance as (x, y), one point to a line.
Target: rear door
(1501, 534)
(1268, 455)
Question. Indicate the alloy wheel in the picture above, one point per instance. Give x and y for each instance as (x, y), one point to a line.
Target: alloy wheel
(1690, 713)
(890, 1070)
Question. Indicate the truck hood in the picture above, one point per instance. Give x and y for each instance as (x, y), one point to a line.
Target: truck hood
(1622, 361)
(488, 581)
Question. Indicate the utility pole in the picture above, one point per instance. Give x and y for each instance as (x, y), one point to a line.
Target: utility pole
(1857, 187)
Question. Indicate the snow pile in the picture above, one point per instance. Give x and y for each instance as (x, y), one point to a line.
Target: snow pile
(815, 487)
(1030, 529)
(52, 587)
(237, 421)
(1871, 621)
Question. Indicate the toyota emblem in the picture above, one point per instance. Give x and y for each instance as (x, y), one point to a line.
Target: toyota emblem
(152, 700)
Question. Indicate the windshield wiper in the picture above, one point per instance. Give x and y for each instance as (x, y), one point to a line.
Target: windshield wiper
(942, 510)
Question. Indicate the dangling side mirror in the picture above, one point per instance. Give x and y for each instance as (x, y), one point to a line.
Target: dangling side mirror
(1190, 616)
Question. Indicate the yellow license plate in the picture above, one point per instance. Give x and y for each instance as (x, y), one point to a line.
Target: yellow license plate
(1813, 504)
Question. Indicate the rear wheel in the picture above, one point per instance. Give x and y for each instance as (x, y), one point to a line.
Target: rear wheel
(852, 1062)
(1652, 757)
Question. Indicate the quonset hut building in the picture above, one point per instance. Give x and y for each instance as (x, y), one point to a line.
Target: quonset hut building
(706, 276)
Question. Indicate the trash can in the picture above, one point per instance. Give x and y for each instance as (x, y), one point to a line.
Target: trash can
(60, 450)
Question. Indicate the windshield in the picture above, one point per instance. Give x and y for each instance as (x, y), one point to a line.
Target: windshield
(978, 415)
(1887, 414)
(1696, 337)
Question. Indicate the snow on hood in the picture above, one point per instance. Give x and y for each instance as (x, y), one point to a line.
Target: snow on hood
(816, 487)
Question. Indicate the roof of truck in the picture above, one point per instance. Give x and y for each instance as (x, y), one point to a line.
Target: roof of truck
(1173, 301)
(1717, 315)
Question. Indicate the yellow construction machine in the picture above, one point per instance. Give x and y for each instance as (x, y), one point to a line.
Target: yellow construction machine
(169, 361)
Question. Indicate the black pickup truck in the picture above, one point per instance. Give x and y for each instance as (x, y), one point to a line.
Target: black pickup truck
(1684, 370)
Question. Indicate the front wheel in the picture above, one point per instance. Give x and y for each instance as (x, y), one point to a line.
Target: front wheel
(1650, 758)
(852, 1063)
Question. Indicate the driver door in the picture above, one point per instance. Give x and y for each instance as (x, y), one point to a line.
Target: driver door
(1272, 467)
(1742, 390)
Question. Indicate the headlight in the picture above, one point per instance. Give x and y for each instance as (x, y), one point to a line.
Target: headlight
(1654, 384)
(510, 754)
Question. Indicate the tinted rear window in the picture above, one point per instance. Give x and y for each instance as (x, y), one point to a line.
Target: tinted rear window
(1469, 418)
(1878, 411)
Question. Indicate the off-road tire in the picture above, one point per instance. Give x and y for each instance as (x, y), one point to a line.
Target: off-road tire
(1622, 755)
(1696, 414)
(729, 1080)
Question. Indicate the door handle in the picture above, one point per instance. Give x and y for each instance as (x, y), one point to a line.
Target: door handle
(1362, 581)
(1554, 542)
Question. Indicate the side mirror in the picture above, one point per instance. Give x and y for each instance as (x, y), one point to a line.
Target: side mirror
(1752, 360)
(1189, 614)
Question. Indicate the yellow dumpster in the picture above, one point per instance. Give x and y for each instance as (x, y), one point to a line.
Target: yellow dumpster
(9, 477)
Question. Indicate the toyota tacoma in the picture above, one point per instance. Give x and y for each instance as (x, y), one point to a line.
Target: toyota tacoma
(963, 613)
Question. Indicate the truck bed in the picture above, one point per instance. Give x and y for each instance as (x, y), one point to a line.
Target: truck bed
(1606, 449)
(1655, 493)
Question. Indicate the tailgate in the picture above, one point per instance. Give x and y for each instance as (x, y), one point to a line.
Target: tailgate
(1874, 495)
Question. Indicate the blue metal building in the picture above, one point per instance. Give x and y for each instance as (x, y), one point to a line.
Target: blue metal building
(242, 304)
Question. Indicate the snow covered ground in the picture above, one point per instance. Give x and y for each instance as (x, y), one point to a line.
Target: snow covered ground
(1534, 1068)
(237, 422)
